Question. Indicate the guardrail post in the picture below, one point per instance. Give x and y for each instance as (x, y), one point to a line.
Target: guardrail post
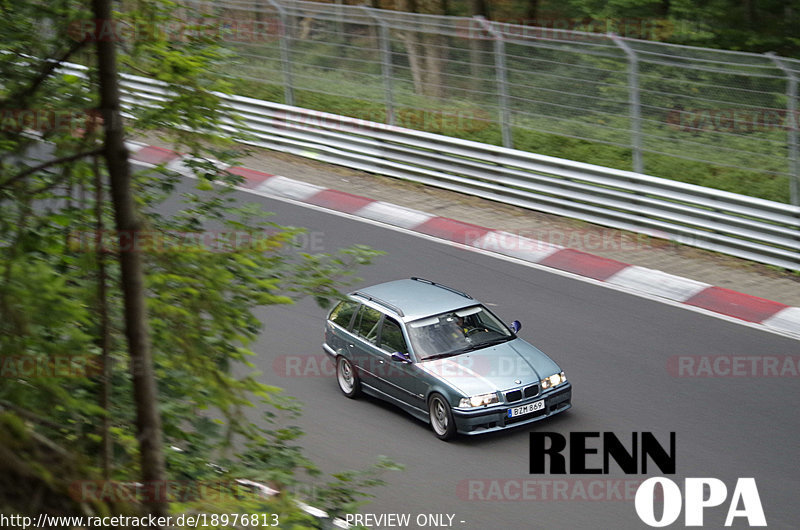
(792, 119)
(633, 99)
(502, 81)
(386, 63)
(286, 63)
(754, 229)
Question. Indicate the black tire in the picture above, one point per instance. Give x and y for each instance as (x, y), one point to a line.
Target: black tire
(347, 378)
(441, 417)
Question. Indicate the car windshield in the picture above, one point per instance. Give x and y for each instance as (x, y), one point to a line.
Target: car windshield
(456, 332)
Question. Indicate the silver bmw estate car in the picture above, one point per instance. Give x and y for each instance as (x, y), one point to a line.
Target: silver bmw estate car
(442, 356)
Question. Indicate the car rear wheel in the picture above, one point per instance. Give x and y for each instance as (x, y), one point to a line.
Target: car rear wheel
(442, 422)
(347, 378)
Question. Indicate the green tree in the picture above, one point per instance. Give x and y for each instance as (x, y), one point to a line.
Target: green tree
(170, 309)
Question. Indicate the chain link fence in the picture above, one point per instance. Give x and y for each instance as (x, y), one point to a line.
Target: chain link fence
(722, 119)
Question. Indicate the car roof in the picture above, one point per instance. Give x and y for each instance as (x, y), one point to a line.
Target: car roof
(415, 298)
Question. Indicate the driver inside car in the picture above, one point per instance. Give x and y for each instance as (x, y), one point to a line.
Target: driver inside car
(468, 325)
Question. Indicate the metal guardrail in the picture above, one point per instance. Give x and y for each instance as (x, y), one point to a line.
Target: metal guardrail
(747, 227)
(528, 82)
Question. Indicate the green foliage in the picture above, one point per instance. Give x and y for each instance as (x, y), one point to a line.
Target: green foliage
(35, 469)
(341, 495)
(209, 266)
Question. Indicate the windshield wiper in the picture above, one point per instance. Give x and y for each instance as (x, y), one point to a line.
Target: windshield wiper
(495, 342)
(442, 355)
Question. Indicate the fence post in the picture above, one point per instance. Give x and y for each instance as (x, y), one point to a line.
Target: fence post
(633, 99)
(791, 130)
(386, 63)
(286, 63)
(502, 81)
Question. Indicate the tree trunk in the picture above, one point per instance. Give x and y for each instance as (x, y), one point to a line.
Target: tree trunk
(148, 421)
(414, 51)
(435, 49)
(106, 448)
(478, 48)
(532, 13)
(426, 51)
(479, 7)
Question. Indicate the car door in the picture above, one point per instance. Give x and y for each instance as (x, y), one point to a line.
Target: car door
(364, 346)
(403, 381)
(337, 328)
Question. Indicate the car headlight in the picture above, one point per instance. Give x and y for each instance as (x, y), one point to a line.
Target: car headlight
(553, 380)
(479, 401)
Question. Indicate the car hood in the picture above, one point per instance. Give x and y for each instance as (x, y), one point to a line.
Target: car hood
(505, 366)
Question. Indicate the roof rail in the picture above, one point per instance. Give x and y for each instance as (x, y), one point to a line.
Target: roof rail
(380, 302)
(423, 280)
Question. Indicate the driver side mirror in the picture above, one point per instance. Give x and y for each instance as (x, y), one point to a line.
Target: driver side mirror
(400, 357)
(516, 326)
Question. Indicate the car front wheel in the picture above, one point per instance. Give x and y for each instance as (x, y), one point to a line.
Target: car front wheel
(444, 427)
(347, 378)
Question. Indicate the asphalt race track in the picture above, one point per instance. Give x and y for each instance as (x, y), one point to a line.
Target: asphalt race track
(615, 349)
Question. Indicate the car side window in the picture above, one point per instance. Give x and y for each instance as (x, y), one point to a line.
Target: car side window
(366, 324)
(392, 337)
(342, 314)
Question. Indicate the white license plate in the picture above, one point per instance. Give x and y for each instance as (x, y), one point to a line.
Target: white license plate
(526, 409)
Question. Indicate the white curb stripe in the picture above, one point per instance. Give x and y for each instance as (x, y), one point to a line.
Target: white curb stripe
(393, 214)
(134, 146)
(286, 187)
(657, 283)
(786, 320)
(179, 165)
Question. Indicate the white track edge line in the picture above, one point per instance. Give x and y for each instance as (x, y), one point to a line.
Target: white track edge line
(544, 268)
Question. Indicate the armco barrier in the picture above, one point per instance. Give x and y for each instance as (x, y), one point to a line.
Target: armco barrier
(747, 227)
